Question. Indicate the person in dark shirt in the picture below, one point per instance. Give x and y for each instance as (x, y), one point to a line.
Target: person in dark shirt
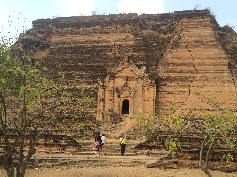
(98, 137)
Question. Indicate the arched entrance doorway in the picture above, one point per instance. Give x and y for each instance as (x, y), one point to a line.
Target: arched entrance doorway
(125, 107)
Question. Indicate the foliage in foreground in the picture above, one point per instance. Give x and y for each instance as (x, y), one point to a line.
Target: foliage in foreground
(214, 130)
(30, 103)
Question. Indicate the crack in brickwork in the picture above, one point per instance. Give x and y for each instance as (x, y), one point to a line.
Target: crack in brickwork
(179, 50)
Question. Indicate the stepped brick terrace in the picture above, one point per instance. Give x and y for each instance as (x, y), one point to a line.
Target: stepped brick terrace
(131, 63)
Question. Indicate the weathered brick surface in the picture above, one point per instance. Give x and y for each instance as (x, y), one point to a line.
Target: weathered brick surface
(198, 66)
(180, 50)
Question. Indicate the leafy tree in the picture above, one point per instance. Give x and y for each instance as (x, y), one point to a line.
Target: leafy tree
(30, 104)
(214, 129)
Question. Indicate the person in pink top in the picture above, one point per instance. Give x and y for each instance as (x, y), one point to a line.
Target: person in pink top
(97, 145)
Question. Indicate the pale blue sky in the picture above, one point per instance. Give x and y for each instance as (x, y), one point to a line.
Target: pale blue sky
(17, 15)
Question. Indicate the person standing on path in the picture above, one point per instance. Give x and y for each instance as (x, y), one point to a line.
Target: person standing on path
(103, 141)
(97, 146)
(122, 140)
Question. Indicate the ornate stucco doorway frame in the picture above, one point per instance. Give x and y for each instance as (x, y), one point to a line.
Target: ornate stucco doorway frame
(126, 82)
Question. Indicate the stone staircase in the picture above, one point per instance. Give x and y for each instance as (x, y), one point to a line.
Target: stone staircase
(84, 157)
(112, 148)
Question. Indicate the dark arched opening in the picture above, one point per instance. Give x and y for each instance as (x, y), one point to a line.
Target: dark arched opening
(125, 107)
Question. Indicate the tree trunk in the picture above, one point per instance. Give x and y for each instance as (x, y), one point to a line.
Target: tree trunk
(205, 168)
(201, 151)
(9, 166)
(208, 155)
(206, 172)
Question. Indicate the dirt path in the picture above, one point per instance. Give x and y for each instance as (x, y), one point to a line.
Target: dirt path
(118, 172)
(126, 125)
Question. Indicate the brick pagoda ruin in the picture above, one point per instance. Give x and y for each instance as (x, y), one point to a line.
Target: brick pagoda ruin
(139, 63)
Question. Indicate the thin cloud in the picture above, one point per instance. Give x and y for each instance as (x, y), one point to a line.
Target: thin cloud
(140, 6)
(78, 7)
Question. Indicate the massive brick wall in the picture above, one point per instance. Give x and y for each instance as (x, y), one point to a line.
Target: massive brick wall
(195, 76)
(180, 50)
